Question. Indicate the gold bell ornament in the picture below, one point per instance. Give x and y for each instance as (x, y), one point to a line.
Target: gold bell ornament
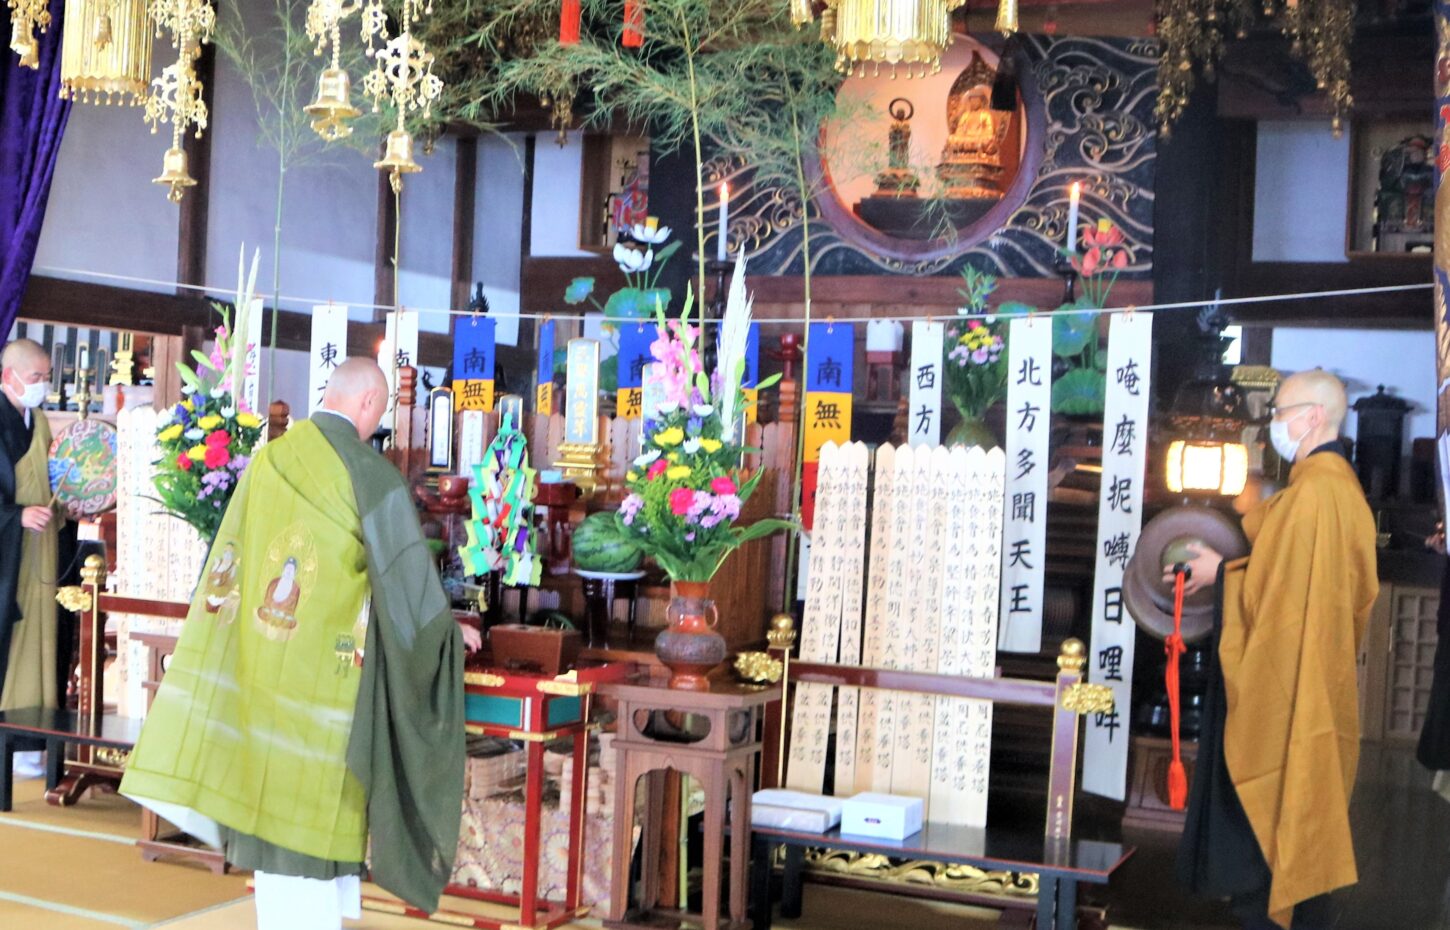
(397, 158)
(1007, 17)
(174, 174)
(332, 109)
(22, 43)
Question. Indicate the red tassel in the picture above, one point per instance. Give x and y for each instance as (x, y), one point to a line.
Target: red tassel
(569, 22)
(633, 24)
(1177, 785)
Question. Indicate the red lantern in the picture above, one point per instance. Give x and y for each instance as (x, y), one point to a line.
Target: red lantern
(569, 22)
(633, 24)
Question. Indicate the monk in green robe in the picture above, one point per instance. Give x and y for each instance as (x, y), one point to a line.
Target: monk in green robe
(1268, 811)
(29, 672)
(311, 719)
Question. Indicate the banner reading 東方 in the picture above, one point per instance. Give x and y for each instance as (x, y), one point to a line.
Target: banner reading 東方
(1024, 524)
(329, 348)
(1120, 517)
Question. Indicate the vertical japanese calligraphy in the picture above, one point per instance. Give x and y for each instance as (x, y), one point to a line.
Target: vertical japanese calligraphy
(853, 520)
(1024, 523)
(830, 372)
(329, 348)
(252, 379)
(883, 517)
(399, 348)
(544, 379)
(474, 352)
(634, 355)
(581, 393)
(1120, 517)
(925, 377)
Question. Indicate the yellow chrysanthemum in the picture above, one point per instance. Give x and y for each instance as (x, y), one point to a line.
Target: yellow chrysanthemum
(631, 476)
(196, 453)
(209, 422)
(249, 420)
(678, 472)
(171, 432)
(670, 437)
(711, 445)
(672, 457)
(187, 406)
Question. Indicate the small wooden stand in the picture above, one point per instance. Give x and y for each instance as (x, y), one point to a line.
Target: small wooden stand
(723, 761)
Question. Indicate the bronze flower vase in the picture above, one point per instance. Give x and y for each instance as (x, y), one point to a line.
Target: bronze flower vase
(690, 647)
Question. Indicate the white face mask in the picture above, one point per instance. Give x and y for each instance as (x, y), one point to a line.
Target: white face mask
(33, 395)
(1283, 443)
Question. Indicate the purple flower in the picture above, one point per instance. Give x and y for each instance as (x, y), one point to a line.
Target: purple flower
(980, 356)
(726, 506)
(629, 507)
(214, 483)
(702, 503)
(694, 425)
(710, 520)
(239, 462)
(690, 536)
(183, 416)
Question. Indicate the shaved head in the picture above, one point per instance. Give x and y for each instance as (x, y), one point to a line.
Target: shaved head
(23, 363)
(358, 390)
(25, 353)
(1316, 386)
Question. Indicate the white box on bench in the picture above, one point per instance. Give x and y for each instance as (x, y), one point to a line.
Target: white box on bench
(887, 816)
(794, 810)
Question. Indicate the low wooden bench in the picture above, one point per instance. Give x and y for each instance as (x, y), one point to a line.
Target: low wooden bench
(109, 733)
(1059, 860)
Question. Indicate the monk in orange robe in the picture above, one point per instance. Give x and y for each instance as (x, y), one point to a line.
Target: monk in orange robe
(1268, 815)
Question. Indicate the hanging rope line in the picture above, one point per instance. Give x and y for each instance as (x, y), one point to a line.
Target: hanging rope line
(1141, 308)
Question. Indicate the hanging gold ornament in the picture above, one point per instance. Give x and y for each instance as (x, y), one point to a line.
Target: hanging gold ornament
(174, 174)
(333, 107)
(105, 54)
(404, 75)
(1007, 17)
(1192, 34)
(176, 96)
(27, 18)
(397, 158)
(802, 12)
(904, 35)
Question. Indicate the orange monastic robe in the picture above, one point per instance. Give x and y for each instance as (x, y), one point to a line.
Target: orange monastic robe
(1294, 614)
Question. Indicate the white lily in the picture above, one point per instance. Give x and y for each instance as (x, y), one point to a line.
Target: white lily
(703, 410)
(633, 261)
(690, 446)
(647, 458)
(642, 233)
(193, 434)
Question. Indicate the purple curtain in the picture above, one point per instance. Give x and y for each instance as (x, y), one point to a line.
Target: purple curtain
(32, 119)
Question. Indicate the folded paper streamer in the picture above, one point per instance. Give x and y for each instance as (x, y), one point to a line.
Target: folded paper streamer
(500, 534)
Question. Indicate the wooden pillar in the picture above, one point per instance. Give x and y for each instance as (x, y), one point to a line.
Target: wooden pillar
(465, 194)
(194, 207)
(1442, 234)
(385, 271)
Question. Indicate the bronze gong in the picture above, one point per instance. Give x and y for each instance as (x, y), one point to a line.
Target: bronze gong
(1164, 541)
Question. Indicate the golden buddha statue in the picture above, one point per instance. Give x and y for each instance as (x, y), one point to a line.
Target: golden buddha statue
(971, 161)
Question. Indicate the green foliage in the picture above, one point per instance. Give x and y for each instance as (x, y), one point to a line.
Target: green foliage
(1079, 391)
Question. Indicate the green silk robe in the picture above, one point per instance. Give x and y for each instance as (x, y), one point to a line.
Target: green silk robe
(315, 698)
(29, 672)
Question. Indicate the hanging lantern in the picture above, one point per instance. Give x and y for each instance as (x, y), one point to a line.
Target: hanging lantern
(633, 36)
(174, 175)
(27, 17)
(569, 22)
(1202, 466)
(105, 52)
(903, 35)
(397, 158)
(333, 107)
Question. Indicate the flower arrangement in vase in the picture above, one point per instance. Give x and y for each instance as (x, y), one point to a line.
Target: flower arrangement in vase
(687, 487)
(207, 439)
(975, 362)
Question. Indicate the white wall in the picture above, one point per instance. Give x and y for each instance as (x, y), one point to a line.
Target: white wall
(1301, 192)
(425, 258)
(557, 184)
(496, 245)
(1404, 362)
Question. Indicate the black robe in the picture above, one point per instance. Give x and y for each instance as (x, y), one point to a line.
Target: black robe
(15, 436)
(1434, 750)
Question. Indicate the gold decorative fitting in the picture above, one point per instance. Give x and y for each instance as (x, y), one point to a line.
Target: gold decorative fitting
(1073, 656)
(782, 631)
(528, 737)
(175, 175)
(105, 51)
(1084, 698)
(759, 667)
(486, 679)
(565, 685)
(397, 159)
(107, 755)
(26, 16)
(906, 36)
(957, 878)
(74, 598)
(1007, 17)
(93, 572)
(801, 12)
(333, 107)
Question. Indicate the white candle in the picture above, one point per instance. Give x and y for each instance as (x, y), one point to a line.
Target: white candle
(83, 358)
(1072, 206)
(721, 241)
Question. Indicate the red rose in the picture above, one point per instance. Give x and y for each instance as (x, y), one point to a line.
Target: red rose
(722, 485)
(680, 501)
(183, 462)
(217, 455)
(218, 438)
(657, 469)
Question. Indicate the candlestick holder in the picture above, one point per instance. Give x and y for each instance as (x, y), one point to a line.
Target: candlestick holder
(1068, 273)
(715, 309)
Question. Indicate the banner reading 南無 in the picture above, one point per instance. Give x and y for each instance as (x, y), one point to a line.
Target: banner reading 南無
(329, 349)
(924, 404)
(634, 354)
(1024, 524)
(544, 378)
(1120, 517)
(474, 354)
(830, 370)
